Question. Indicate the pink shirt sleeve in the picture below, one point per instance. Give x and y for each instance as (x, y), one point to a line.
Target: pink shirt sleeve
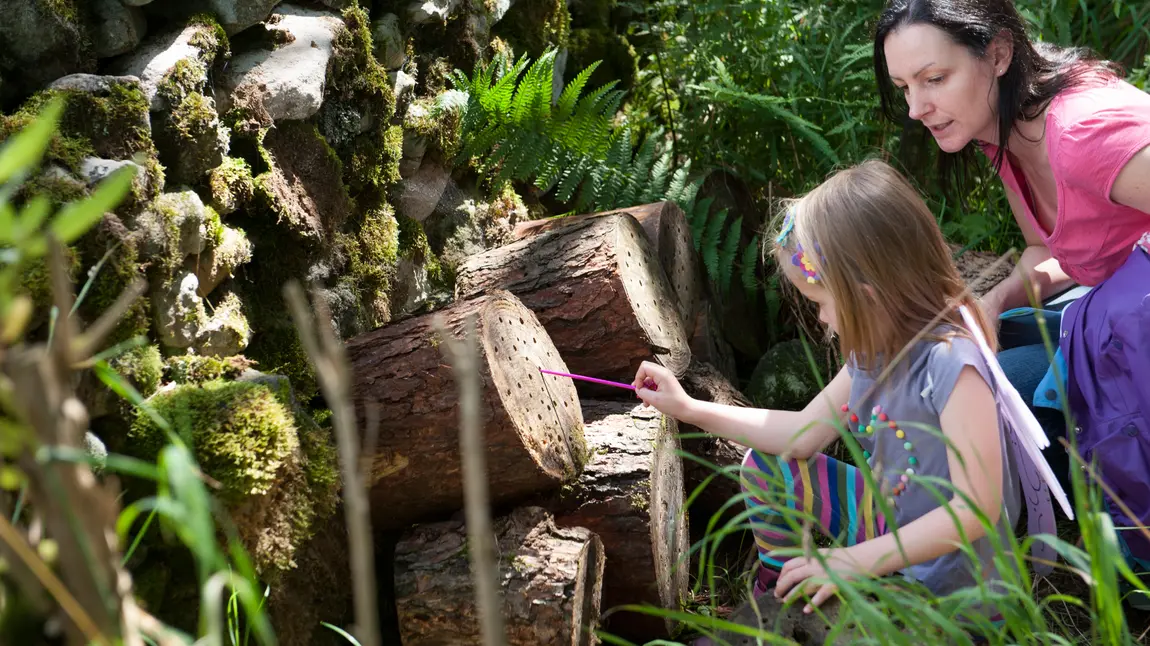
(1100, 132)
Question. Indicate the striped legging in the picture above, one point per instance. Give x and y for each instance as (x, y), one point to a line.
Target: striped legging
(832, 493)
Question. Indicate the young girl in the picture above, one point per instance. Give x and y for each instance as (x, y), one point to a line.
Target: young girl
(864, 247)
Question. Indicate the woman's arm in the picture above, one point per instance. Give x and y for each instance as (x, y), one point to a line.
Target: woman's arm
(1132, 186)
(799, 434)
(970, 423)
(1036, 267)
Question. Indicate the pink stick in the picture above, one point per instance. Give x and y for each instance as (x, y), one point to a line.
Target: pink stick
(649, 384)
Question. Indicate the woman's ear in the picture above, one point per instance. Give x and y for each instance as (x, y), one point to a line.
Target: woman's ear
(1000, 52)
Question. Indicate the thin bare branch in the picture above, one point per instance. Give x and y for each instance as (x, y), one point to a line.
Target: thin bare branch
(326, 355)
(463, 356)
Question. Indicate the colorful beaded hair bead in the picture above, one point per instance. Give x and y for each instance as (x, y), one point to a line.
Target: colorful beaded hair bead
(799, 258)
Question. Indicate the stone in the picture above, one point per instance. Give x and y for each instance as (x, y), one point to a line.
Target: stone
(218, 263)
(388, 40)
(413, 283)
(93, 170)
(423, 190)
(42, 41)
(191, 139)
(289, 80)
(176, 227)
(236, 15)
(227, 332)
(157, 57)
(91, 83)
(135, 3)
(422, 11)
(180, 312)
(116, 28)
(96, 450)
(403, 84)
(784, 378)
(414, 143)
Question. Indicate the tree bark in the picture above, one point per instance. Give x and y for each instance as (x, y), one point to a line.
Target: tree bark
(669, 232)
(551, 583)
(710, 345)
(631, 495)
(704, 382)
(532, 422)
(598, 290)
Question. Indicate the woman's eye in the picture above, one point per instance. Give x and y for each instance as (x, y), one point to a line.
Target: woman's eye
(935, 80)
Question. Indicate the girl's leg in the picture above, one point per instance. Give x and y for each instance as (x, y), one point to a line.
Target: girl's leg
(833, 493)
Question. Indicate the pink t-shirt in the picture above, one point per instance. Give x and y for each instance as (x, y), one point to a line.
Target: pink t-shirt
(1092, 131)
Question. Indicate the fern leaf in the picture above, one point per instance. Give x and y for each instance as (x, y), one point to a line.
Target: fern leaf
(617, 165)
(711, 238)
(567, 100)
(656, 188)
(678, 182)
(590, 189)
(750, 265)
(728, 253)
(571, 180)
(697, 219)
(637, 175)
(687, 199)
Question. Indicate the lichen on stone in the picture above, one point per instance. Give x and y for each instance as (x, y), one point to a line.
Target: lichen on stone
(231, 185)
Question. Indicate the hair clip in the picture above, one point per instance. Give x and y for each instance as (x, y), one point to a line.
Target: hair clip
(800, 260)
(788, 224)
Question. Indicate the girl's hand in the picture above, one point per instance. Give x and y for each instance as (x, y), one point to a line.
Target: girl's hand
(797, 574)
(667, 395)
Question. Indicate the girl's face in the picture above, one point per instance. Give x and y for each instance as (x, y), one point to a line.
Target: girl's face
(950, 90)
(815, 293)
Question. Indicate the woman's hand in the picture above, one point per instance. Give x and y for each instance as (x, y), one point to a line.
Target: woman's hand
(797, 575)
(657, 387)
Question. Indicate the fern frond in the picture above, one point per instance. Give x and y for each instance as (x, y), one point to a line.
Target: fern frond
(697, 218)
(750, 265)
(656, 187)
(571, 179)
(567, 100)
(617, 164)
(637, 175)
(728, 254)
(678, 182)
(711, 238)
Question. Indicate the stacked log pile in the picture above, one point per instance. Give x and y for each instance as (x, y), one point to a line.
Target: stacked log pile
(588, 486)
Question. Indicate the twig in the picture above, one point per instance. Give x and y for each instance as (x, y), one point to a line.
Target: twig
(463, 356)
(327, 357)
(51, 582)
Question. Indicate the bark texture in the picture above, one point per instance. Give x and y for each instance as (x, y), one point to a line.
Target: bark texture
(533, 425)
(598, 289)
(631, 495)
(551, 582)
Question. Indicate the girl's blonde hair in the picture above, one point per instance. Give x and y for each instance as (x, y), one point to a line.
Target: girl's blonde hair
(879, 251)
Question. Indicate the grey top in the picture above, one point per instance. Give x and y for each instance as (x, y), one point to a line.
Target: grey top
(913, 398)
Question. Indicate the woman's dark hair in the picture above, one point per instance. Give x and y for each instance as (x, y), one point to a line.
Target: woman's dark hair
(1037, 73)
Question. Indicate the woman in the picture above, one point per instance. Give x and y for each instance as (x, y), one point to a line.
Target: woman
(1071, 144)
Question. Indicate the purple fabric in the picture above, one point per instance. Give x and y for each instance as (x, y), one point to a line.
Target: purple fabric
(1106, 341)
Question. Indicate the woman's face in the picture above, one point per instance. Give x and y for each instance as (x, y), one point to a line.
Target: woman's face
(950, 90)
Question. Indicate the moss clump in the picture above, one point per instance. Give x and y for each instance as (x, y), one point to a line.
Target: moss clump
(533, 26)
(358, 83)
(142, 367)
(239, 432)
(36, 284)
(190, 138)
(231, 185)
(111, 243)
(187, 76)
(65, 150)
(195, 369)
(413, 246)
(441, 124)
(372, 253)
(213, 41)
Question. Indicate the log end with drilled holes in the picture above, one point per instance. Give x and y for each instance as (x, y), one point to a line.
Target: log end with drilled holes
(550, 583)
(403, 386)
(668, 231)
(631, 495)
(597, 286)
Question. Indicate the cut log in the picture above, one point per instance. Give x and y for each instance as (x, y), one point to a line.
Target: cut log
(669, 232)
(708, 343)
(532, 423)
(598, 290)
(704, 382)
(631, 495)
(551, 582)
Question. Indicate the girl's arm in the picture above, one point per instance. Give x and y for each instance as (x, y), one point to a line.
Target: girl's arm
(970, 424)
(799, 434)
(1037, 268)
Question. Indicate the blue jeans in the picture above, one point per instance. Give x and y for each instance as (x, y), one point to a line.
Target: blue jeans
(1025, 366)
